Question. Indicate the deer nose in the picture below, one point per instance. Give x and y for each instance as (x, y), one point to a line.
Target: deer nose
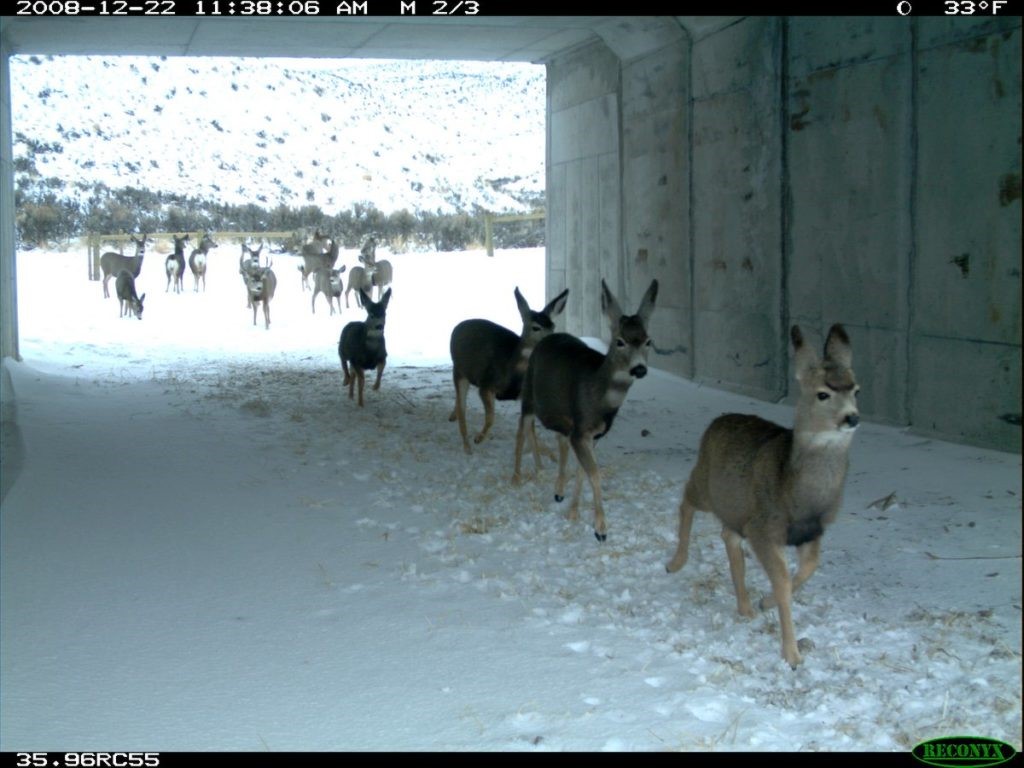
(852, 420)
(638, 371)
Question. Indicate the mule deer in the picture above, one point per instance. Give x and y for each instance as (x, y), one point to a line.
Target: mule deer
(317, 254)
(493, 359)
(577, 392)
(112, 263)
(249, 265)
(260, 283)
(129, 301)
(362, 345)
(358, 280)
(197, 260)
(328, 282)
(776, 486)
(380, 276)
(174, 264)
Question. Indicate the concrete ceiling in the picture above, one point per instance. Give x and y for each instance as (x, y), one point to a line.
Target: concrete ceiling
(480, 38)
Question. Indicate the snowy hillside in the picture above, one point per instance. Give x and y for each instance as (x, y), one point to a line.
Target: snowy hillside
(423, 136)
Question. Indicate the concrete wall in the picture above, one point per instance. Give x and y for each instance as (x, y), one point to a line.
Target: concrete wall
(8, 297)
(617, 189)
(812, 171)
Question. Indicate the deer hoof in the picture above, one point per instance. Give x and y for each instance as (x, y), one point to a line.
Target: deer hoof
(559, 498)
(602, 537)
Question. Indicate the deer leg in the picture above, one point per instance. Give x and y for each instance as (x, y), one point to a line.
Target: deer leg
(584, 450)
(487, 397)
(361, 377)
(773, 559)
(350, 379)
(347, 377)
(686, 510)
(563, 455)
(380, 372)
(737, 569)
(266, 314)
(517, 476)
(809, 555)
(461, 391)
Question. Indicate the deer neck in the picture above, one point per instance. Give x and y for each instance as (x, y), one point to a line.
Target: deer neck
(817, 466)
(614, 379)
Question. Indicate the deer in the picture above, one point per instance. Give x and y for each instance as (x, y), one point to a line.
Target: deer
(359, 280)
(778, 487)
(328, 282)
(380, 276)
(197, 260)
(249, 264)
(362, 345)
(577, 391)
(494, 359)
(174, 264)
(260, 282)
(129, 301)
(112, 263)
(317, 254)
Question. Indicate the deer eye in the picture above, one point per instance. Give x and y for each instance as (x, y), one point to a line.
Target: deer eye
(648, 343)
(620, 343)
(536, 328)
(823, 396)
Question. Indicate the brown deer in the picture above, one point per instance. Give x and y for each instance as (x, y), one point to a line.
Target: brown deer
(577, 392)
(494, 359)
(129, 301)
(778, 487)
(362, 345)
(174, 264)
(322, 251)
(112, 263)
(197, 260)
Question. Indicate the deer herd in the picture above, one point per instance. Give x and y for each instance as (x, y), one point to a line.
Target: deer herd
(771, 485)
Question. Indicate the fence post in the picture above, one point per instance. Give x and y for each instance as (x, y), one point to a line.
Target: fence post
(489, 233)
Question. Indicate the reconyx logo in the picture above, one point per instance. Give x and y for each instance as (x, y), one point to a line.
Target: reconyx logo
(963, 752)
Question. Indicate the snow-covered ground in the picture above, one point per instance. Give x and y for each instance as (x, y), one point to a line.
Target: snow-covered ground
(210, 547)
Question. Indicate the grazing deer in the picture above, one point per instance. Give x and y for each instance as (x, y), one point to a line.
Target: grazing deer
(576, 391)
(129, 301)
(328, 282)
(174, 264)
(775, 486)
(197, 260)
(112, 263)
(494, 359)
(362, 345)
(322, 251)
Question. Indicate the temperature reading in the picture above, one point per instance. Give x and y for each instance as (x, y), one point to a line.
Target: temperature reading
(971, 7)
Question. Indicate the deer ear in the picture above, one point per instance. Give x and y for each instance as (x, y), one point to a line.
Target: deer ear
(524, 308)
(804, 358)
(557, 304)
(837, 346)
(610, 306)
(647, 303)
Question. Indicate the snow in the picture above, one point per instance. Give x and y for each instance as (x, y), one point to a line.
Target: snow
(210, 547)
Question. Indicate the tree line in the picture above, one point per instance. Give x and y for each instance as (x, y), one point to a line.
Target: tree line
(44, 216)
